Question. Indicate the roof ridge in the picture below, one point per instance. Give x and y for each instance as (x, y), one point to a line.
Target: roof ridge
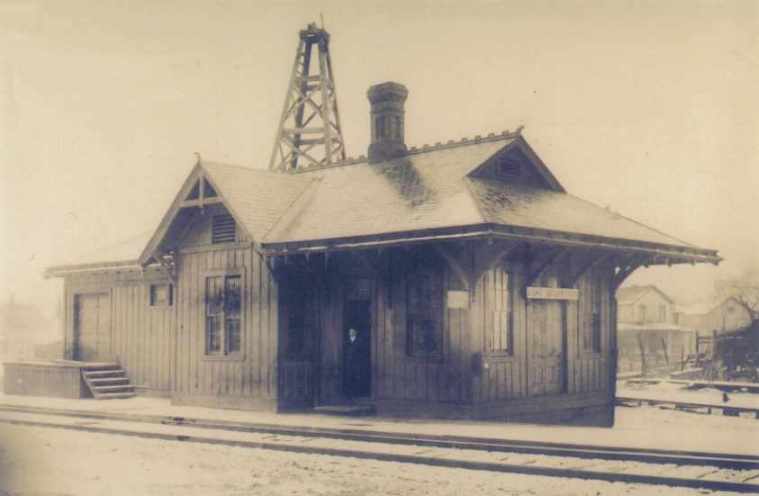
(244, 167)
(425, 148)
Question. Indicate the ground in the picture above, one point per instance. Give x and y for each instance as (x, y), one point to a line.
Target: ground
(53, 462)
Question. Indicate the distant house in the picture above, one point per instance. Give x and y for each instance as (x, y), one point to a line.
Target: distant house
(650, 336)
(645, 305)
(727, 315)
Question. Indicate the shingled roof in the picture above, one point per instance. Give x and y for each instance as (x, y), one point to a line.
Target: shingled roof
(435, 192)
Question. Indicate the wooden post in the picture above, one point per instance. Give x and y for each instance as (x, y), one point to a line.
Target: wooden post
(664, 349)
(643, 368)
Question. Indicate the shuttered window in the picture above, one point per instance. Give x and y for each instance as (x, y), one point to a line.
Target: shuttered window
(223, 302)
(424, 314)
(223, 229)
(498, 303)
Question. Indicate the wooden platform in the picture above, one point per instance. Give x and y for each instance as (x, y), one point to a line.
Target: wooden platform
(63, 379)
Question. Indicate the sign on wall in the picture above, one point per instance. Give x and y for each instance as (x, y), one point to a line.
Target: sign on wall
(458, 299)
(535, 293)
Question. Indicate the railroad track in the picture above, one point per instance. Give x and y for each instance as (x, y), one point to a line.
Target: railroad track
(712, 471)
(690, 406)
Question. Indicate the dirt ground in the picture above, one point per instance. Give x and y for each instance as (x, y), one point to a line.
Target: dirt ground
(37, 461)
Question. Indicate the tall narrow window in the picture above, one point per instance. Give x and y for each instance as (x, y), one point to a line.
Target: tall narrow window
(223, 297)
(596, 303)
(300, 317)
(424, 314)
(498, 301)
(223, 229)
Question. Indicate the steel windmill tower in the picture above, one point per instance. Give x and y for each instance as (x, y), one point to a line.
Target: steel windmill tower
(309, 131)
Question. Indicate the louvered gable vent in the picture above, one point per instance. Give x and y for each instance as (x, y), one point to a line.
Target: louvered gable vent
(223, 229)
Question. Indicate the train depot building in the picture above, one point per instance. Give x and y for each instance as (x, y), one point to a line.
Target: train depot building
(458, 280)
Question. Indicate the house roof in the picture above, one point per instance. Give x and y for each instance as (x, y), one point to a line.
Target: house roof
(631, 294)
(427, 194)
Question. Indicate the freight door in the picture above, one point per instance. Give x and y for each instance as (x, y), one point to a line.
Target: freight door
(92, 327)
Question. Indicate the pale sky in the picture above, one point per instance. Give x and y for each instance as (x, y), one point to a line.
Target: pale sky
(648, 107)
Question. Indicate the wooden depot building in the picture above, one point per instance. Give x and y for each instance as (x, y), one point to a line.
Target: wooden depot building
(458, 280)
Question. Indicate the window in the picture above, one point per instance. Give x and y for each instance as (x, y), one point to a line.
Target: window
(223, 302)
(223, 229)
(498, 301)
(507, 166)
(424, 314)
(589, 315)
(161, 295)
(642, 313)
(595, 331)
(662, 313)
(301, 318)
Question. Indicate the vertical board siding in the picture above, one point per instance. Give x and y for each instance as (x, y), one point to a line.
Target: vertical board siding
(250, 375)
(501, 376)
(141, 336)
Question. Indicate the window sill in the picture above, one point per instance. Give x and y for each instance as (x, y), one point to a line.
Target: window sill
(426, 358)
(498, 356)
(236, 357)
(591, 354)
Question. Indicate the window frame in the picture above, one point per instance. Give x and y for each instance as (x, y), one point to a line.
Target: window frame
(152, 301)
(425, 266)
(224, 353)
(507, 352)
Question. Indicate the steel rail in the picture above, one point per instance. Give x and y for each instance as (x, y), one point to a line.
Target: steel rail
(547, 471)
(645, 455)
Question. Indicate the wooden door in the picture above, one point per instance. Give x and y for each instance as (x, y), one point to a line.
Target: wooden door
(546, 337)
(92, 327)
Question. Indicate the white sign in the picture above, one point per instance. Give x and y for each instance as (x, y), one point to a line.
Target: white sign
(534, 293)
(458, 299)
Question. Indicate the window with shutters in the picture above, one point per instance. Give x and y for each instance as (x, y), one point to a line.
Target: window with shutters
(223, 229)
(223, 303)
(424, 311)
(499, 303)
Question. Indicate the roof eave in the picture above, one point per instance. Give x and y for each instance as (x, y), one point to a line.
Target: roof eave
(662, 254)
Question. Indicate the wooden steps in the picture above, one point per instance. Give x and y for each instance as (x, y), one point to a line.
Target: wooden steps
(107, 381)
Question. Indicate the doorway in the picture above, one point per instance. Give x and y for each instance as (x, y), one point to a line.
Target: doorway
(92, 327)
(357, 349)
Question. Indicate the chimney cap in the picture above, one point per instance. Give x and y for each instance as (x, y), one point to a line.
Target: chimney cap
(388, 90)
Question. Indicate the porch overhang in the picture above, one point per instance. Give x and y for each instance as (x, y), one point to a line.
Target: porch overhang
(648, 253)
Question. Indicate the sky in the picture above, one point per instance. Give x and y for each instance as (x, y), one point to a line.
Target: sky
(649, 108)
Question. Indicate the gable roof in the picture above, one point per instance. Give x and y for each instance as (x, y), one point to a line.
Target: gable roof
(630, 294)
(256, 199)
(430, 193)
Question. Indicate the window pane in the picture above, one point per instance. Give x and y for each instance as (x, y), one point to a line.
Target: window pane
(232, 296)
(214, 295)
(424, 307)
(213, 334)
(233, 335)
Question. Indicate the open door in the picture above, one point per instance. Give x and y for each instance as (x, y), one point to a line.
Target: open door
(357, 348)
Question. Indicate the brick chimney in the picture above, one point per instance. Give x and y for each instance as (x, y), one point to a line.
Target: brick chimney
(387, 121)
